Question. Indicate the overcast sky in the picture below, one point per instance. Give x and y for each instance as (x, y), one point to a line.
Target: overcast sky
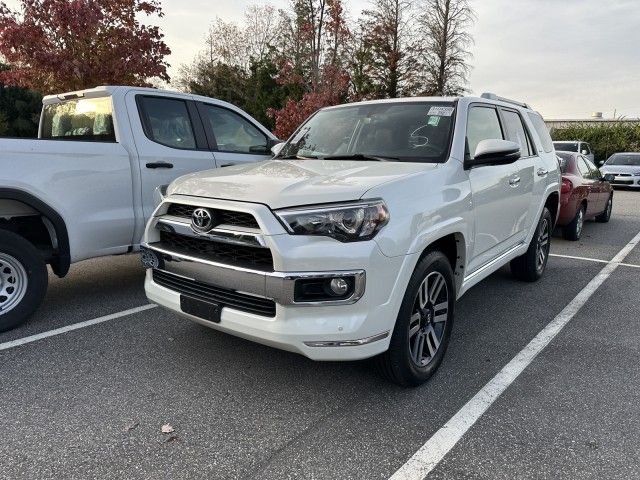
(567, 58)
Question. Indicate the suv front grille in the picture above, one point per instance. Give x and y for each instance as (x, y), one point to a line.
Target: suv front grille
(226, 217)
(245, 256)
(211, 293)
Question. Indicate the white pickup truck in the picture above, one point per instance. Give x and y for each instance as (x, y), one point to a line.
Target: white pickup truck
(85, 188)
(356, 240)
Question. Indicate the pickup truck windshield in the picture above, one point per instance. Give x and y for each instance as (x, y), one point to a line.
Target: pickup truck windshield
(88, 119)
(393, 131)
(565, 146)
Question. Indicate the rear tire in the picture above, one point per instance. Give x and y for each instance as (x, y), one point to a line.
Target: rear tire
(530, 266)
(23, 280)
(423, 327)
(573, 231)
(605, 216)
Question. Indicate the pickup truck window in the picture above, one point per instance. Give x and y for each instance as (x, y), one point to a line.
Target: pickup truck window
(167, 122)
(234, 133)
(89, 119)
(482, 124)
(398, 131)
(516, 132)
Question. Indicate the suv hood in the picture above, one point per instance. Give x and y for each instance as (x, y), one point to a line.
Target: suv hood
(620, 168)
(288, 183)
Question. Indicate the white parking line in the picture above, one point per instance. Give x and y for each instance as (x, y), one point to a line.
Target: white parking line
(75, 326)
(588, 259)
(434, 450)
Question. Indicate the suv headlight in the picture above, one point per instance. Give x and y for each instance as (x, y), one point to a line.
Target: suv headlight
(347, 222)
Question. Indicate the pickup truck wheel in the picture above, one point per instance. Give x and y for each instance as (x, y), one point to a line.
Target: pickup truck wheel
(23, 280)
(605, 216)
(530, 266)
(573, 231)
(423, 327)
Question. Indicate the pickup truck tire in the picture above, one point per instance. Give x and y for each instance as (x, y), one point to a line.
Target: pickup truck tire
(23, 280)
(573, 231)
(530, 266)
(605, 216)
(423, 327)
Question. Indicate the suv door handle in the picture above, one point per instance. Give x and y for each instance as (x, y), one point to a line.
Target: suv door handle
(159, 165)
(542, 172)
(514, 182)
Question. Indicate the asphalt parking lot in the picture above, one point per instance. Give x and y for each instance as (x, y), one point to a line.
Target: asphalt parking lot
(91, 402)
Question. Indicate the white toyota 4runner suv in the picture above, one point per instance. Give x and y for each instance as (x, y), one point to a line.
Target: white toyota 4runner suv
(356, 240)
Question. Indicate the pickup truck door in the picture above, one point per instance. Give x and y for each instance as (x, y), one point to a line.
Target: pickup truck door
(496, 193)
(170, 140)
(234, 138)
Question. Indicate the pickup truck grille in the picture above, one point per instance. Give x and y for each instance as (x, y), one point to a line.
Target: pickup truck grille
(225, 297)
(226, 217)
(245, 256)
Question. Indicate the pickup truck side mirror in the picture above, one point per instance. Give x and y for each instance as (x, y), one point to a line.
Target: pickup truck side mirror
(584, 152)
(275, 149)
(601, 163)
(608, 177)
(494, 152)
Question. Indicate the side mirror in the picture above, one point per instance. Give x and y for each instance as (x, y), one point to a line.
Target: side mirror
(277, 148)
(609, 177)
(601, 163)
(494, 152)
(584, 152)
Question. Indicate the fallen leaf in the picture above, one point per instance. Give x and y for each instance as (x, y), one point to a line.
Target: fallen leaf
(167, 428)
(130, 427)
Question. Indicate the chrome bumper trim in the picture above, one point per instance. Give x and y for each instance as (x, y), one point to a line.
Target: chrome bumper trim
(348, 343)
(278, 286)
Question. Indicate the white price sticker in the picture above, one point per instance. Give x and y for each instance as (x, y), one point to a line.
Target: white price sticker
(441, 111)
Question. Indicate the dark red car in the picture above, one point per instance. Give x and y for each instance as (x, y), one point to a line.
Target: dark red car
(585, 194)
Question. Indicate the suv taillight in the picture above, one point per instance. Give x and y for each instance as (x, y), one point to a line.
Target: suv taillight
(567, 186)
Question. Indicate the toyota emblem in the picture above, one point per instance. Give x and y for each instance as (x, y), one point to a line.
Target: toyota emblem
(201, 220)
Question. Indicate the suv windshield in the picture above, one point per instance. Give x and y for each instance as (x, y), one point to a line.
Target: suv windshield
(565, 146)
(393, 131)
(624, 159)
(79, 119)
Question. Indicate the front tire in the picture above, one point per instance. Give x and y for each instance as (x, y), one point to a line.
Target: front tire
(530, 266)
(605, 216)
(423, 326)
(23, 280)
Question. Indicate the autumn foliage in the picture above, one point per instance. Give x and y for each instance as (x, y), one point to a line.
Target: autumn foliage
(62, 45)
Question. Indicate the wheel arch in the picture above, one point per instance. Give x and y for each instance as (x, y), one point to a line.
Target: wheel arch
(453, 246)
(552, 203)
(53, 222)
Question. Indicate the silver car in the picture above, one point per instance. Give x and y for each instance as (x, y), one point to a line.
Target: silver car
(625, 167)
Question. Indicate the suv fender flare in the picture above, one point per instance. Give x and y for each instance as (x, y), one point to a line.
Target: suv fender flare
(62, 257)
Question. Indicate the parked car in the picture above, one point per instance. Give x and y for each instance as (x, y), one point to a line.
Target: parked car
(585, 193)
(576, 146)
(625, 168)
(358, 238)
(85, 188)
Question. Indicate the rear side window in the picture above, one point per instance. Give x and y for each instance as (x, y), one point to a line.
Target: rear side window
(88, 119)
(541, 130)
(583, 167)
(516, 132)
(233, 133)
(167, 121)
(482, 124)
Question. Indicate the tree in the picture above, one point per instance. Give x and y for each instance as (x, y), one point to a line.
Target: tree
(19, 110)
(389, 34)
(444, 26)
(61, 45)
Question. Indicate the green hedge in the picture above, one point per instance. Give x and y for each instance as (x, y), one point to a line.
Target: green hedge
(604, 139)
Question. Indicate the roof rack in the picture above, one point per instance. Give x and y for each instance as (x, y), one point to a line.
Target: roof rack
(493, 96)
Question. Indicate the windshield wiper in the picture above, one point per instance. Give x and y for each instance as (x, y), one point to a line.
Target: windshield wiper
(296, 157)
(360, 156)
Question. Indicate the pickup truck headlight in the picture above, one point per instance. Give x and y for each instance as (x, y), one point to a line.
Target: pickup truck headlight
(347, 222)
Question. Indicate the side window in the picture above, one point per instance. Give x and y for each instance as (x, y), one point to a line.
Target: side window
(541, 130)
(583, 168)
(585, 148)
(233, 133)
(516, 132)
(595, 171)
(166, 121)
(482, 124)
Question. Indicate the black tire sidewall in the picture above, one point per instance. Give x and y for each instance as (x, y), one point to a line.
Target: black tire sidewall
(33, 263)
(404, 369)
(570, 232)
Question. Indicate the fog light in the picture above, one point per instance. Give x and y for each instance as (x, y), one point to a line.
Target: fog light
(149, 258)
(339, 286)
